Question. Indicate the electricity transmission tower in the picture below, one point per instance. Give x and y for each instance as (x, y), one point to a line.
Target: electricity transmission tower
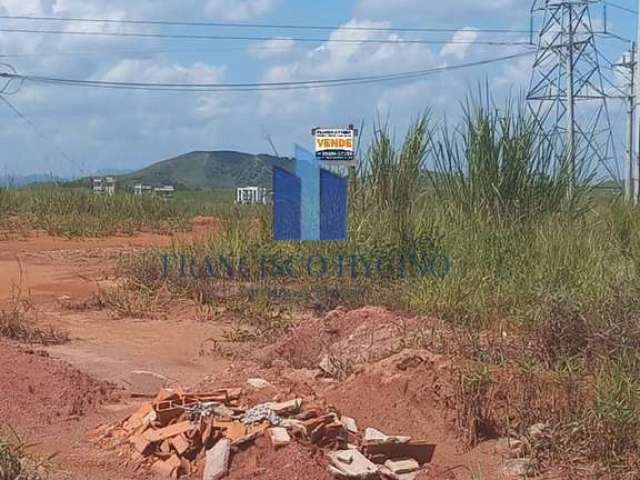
(566, 94)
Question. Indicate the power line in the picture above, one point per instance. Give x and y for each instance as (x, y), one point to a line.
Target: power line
(143, 52)
(246, 38)
(256, 86)
(259, 25)
(38, 132)
(621, 7)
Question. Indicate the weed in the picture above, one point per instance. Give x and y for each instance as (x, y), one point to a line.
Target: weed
(15, 463)
(16, 324)
(474, 398)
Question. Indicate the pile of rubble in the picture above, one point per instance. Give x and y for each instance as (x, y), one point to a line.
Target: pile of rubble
(182, 434)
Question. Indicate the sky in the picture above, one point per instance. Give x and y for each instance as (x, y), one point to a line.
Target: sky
(73, 131)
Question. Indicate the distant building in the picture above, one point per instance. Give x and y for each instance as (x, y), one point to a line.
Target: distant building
(101, 185)
(252, 196)
(165, 191)
(141, 189)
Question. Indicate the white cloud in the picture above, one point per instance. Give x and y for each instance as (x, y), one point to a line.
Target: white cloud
(461, 43)
(136, 70)
(430, 11)
(339, 60)
(239, 10)
(273, 48)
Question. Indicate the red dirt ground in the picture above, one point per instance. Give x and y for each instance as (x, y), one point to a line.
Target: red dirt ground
(48, 389)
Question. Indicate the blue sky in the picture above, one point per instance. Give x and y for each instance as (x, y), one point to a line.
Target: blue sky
(98, 128)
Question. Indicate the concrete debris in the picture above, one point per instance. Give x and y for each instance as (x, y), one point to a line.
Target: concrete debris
(402, 465)
(351, 464)
(296, 427)
(217, 464)
(279, 437)
(180, 434)
(261, 413)
(371, 435)
(286, 408)
(258, 383)
(350, 424)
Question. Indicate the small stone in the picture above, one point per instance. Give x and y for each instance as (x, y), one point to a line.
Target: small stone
(519, 467)
(538, 430)
(510, 447)
(328, 366)
(280, 364)
(259, 383)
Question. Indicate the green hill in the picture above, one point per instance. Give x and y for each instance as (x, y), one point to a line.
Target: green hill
(209, 170)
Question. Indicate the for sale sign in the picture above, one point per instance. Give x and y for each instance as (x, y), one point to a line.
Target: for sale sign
(335, 145)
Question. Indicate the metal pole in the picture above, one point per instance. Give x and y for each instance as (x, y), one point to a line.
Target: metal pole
(630, 157)
(571, 127)
(636, 101)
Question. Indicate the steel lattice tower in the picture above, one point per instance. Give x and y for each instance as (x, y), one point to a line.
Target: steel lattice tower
(567, 95)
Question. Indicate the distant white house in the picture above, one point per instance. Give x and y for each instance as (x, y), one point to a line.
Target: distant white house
(252, 196)
(141, 189)
(102, 185)
(164, 191)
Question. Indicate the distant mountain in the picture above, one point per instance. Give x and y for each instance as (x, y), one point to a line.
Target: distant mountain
(24, 180)
(204, 170)
(103, 172)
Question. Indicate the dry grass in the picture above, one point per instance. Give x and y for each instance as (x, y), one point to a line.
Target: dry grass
(15, 462)
(19, 322)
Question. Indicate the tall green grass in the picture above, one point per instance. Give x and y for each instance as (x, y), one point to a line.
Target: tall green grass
(497, 165)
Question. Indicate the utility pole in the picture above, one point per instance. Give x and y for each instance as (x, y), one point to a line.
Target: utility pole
(635, 102)
(630, 165)
(571, 111)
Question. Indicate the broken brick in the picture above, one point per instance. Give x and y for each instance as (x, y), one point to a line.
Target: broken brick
(180, 444)
(166, 468)
(140, 444)
(154, 436)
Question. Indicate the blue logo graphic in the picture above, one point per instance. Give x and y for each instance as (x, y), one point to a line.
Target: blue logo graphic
(310, 204)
